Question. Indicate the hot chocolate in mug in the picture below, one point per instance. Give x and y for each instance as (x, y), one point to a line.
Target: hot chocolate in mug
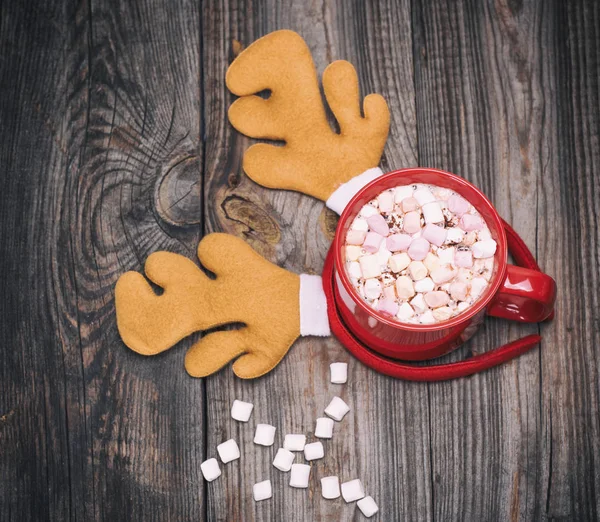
(521, 293)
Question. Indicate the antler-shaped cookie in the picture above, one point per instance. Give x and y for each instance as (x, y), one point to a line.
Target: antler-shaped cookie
(248, 289)
(314, 160)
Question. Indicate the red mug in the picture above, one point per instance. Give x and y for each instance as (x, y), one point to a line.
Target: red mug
(514, 292)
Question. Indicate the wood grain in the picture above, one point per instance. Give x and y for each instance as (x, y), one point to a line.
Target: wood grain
(114, 143)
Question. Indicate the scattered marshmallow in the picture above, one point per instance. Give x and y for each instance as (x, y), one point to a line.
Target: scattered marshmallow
(398, 242)
(355, 237)
(294, 442)
(405, 312)
(442, 275)
(435, 234)
(378, 224)
(386, 201)
(402, 193)
(330, 487)
(372, 242)
(360, 224)
(399, 262)
(228, 451)
(339, 372)
(354, 270)
(264, 435)
(409, 205)
(262, 490)
(314, 451)
(454, 235)
(443, 313)
(412, 222)
(383, 254)
(387, 306)
(324, 428)
(478, 285)
(418, 303)
(458, 205)
(436, 299)
(463, 259)
(424, 285)
(336, 409)
(353, 252)
(423, 195)
(283, 459)
(432, 262)
(368, 506)
(299, 475)
(459, 291)
(427, 317)
(432, 212)
(470, 223)
(352, 490)
(241, 410)
(389, 292)
(210, 469)
(483, 249)
(446, 255)
(368, 210)
(372, 288)
(404, 287)
(418, 249)
(369, 266)
(417, 270)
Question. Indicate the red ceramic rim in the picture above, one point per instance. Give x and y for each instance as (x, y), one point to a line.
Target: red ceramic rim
(371, 191)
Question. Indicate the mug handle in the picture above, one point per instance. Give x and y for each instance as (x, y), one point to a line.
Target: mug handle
(527, 294)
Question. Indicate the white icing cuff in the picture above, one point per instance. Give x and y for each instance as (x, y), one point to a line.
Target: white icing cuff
(345, 192)
(313, 307)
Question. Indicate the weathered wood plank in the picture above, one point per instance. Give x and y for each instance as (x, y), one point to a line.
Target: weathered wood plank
(295, 231)
(480, 113)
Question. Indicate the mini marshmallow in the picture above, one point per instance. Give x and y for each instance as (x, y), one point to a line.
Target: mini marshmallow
(294, 442)
(324, 429)
(314, 451)
(210, 469)
(240, 410)
(423, 195)
(454, 235)
(478, 284)
(405, 312)
(353, 252)
(330, 487)
(402, 193)
(418, 249)
(458, 291)
(360, 224)
(436, 299)
(442, 275)
(339, 372)
(299, 475)
(462, 306)
(383, 254)
(399, 262)
(432, 262)
(483, 249)
(404, 287)
(435, 234)
(484, 234)
(387, 306)
(372, 242)
(432, 212)
(367, 211)
(372, 288)
(417, 270)
(446, 255)
(469, 222)
(378, 224)
(424, 285)
(463, 258)
(389, 292)
(228, 451)
(354, 270)
(398, 242)
(464, 274)
(336, 409)
(443, 313)
(369, 266)
(458, 205)
(469, 238)
(264, 435)
(386, 201)
(418, 303)
(409, 205)
(367, 506)
(262, 490)
(284, 459)
(427, 317)
(411, 222)
(355, 237)
(352, 490)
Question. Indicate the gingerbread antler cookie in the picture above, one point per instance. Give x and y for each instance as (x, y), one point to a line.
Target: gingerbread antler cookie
(247, 289)
(315, 160)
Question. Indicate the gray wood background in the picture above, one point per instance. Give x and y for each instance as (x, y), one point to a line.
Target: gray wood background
(114, 143)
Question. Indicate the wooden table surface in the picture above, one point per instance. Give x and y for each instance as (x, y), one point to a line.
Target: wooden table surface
(114, 143)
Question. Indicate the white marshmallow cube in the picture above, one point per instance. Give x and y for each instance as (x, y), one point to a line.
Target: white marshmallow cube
(360, 224)
(367, 211)
(352, 490)
(337, 409)
(330, 487)
(264, 435)
(454, 235)
(483, 249)
(445, 255)
(423, 195)
(372, 288)
(399, 262)
(314, 451)
(369, 266)
(354, 270)
(299, 475)
(210, 469)
(478, 285)
(367, 506)
(339, 372)
(405, 312)
(228, 451)
(262, 490)
(424, 285)
(241, 410)
(294, 442)
(324, 429)
(432, 212)
(353, 252)
(284, 459)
